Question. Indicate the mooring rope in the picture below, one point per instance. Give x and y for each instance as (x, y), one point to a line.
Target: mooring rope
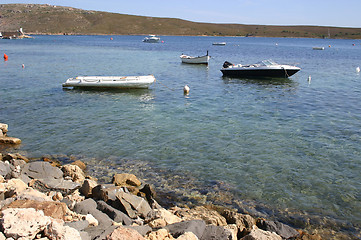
(286, 72)
(165, 85)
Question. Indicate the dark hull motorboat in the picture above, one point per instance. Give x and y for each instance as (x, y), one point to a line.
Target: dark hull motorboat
(264, 69)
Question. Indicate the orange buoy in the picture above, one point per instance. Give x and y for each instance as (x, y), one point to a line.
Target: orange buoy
(111, 38)
(5, 57)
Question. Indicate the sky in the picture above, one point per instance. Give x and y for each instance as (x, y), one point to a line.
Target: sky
(346, 13)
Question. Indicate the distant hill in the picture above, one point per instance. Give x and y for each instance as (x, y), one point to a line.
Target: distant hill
(48, 19)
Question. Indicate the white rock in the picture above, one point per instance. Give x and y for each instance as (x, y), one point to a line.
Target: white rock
(92, 220)
(23, 222)
(259, 234)
(188, 236)
(57, 230)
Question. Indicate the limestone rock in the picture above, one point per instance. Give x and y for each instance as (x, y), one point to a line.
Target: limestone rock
(32, 194)
(80, 164)
(42, 170)
(125, 179)
(88, 206)
(5, 170)
(168, 217)
(23, 223)
(133, 205)
(161, 234)
(142, 230)
(106, 192)
(15, 156)
(56, 230)
(113, 213)
(49, 208)
(12, 188)
(74, 172)
(66, 187)
(124, 234)
(233, 229)
(190, 236)
(4, 128)
(208, 215)
(157, 223)
(10, 140)
(148, 193)
(91, 220)
(259, 234)
(53, 162)
(243, 221)
(195, 226)
(216, 232)
(281, 229)
(87, 187)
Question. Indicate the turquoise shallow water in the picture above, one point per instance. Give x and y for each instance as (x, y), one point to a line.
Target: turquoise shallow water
(287, 144)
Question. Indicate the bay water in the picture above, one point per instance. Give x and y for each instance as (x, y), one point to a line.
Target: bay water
(272, 148)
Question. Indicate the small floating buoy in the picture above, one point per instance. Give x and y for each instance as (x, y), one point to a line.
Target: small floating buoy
(162, 41)
(186, 89)
(111, 38)
(5, 57)
(329, 45)
(358, 69)
(309, 79)
(23, 66)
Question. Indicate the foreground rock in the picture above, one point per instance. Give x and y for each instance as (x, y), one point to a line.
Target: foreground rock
(40, 200)
(4, 139)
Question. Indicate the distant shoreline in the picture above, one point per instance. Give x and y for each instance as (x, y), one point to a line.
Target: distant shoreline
(45, 19)
(104, 34)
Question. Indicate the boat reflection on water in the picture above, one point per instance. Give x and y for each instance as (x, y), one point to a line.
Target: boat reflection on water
(143, 95)
(287, 82)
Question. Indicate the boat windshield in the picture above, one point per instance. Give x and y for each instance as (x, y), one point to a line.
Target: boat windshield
(267, 63)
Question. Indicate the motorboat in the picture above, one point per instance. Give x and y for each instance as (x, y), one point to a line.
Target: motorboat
(318, 48)
(125, 82)
(195, 60)
(219, 43)
(263, 69)
(151, 39)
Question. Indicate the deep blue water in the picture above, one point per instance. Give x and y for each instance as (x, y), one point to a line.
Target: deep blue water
(287, 144)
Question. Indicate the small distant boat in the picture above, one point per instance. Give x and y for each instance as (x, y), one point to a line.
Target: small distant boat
(264, 69)
(219, 43)
(195, 60)
(151, 39)
(125, 82)
(318, 48)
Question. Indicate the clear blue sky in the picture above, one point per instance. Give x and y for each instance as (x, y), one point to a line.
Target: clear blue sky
(346, 13)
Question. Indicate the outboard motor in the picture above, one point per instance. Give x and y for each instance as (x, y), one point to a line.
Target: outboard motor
(227, 64)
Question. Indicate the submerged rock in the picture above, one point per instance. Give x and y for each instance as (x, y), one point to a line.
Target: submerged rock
(125, 179)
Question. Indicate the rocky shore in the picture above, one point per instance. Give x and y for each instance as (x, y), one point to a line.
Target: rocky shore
(42, 199)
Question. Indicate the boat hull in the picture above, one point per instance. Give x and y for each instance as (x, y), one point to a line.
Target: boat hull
(195, 60)
(116, 82)
(259, 73)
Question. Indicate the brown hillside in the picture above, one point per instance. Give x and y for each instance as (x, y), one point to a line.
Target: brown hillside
(48, 19)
